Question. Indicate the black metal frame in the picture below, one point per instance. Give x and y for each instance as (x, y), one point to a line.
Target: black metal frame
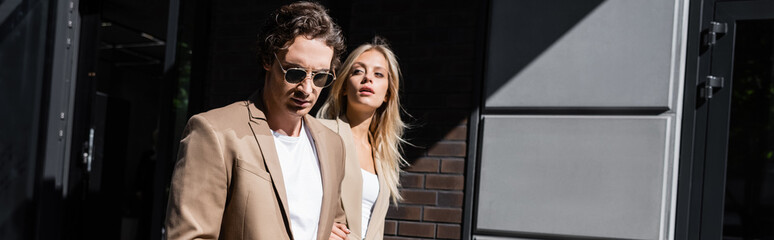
(47, 209)
(85, 86)
(46, 198)
(704, 146)
(689, 176)
(474, 124)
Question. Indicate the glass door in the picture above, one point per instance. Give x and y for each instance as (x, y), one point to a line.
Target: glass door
(131, 105)
(749, 197)
(738, 186)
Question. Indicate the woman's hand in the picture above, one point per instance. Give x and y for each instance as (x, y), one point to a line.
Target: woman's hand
(339, 231)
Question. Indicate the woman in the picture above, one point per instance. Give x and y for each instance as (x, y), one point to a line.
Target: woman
(365, 111)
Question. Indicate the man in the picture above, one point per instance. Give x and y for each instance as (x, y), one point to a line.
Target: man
(264, 168)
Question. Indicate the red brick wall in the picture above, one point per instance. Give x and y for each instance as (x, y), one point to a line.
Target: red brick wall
(436, 46)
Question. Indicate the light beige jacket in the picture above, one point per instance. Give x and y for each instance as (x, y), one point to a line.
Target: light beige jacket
(228, 184)
(352, 188)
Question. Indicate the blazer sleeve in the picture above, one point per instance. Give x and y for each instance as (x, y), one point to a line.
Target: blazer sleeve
(199, 185)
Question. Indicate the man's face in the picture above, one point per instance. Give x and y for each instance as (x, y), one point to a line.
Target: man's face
(295, 100)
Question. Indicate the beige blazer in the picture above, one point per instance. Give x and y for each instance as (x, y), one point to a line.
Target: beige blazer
(228, 184)
(352, 188)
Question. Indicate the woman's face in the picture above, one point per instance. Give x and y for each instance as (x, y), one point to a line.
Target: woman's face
(367, 85)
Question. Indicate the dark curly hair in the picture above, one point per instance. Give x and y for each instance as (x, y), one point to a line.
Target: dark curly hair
(308, 19)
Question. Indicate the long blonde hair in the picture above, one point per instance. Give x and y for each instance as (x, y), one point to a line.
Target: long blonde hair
(387, 127)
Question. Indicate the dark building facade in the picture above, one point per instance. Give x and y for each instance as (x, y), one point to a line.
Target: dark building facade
(531, 119)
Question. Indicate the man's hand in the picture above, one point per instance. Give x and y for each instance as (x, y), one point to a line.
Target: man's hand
(339, 231)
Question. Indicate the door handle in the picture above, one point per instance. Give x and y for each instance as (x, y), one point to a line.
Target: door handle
(88, 151)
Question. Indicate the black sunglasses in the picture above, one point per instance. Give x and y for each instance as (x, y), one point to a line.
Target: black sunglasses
(296, 75)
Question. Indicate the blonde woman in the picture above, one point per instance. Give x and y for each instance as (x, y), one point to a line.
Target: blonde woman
(364, 109)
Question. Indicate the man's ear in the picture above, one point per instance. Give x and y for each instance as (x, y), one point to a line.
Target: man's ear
(267, 66)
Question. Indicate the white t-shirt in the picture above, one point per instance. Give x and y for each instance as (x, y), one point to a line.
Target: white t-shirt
(303, 182)
(370, 193)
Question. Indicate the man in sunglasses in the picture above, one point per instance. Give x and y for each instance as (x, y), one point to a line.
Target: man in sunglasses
(264, 168)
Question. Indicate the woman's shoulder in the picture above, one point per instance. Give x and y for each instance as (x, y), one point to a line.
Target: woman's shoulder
(332, 124)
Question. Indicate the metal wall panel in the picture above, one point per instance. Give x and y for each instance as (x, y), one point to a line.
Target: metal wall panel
(591, 176)
(569, 53)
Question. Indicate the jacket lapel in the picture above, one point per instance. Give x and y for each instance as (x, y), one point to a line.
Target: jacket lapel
(326, 173)
(380, 206)
(265, 141)
(353, 189)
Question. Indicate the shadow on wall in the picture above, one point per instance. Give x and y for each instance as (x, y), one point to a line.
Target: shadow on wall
(578, 56)
(535, 27)
(440, 45)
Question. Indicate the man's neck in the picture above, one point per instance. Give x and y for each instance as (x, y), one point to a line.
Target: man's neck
(285, 126)
(282, 122)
